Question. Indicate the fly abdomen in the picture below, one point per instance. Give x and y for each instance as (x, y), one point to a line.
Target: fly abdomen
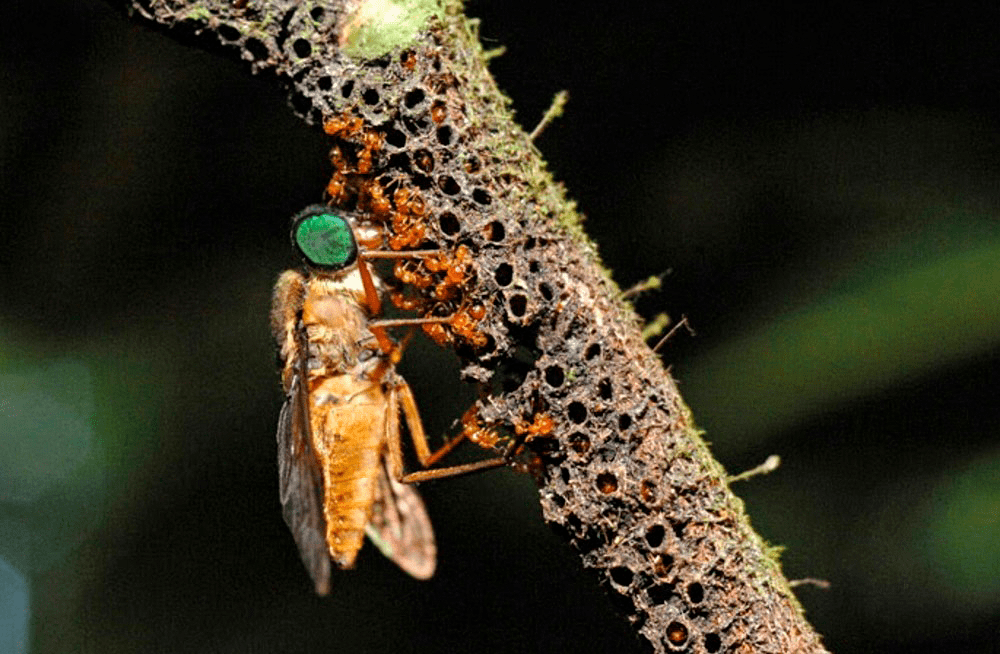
(348, 422)
(350, 486)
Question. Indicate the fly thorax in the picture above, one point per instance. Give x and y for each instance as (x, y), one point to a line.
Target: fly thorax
(344, 282)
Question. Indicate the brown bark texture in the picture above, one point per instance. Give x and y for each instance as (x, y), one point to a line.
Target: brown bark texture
(424, 143)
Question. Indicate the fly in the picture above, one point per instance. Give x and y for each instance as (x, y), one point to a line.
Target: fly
(340, 456)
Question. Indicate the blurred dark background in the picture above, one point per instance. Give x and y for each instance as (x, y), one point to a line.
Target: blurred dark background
(821, 181)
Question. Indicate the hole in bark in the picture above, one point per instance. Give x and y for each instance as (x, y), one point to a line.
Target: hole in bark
(449, 185)
(481, 196)
(712, 643)
(647, 490)
(624, 421)
(302, 47)
(654, 535)
(413, 98)
(695, 592)
(592, 352)
(496, 231)
(256, 48)
(504, 274)
(228, 32)
(607, 483)
(424, 160)
(604, 389)
(662, 565)
(395, 138)
(518, 305)
(449, 223)
(677, 633)
(554, 376)
(439, 112)
(577, 412)
(621, 575)
(579, 442)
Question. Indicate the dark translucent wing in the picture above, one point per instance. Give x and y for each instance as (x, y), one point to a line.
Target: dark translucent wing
(301, 486)
(400, 527)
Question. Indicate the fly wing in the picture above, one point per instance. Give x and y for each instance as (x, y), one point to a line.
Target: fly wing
(301, 486)
(400, 527)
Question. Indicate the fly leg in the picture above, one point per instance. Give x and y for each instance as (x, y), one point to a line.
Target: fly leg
(374, 302)
(401, 397)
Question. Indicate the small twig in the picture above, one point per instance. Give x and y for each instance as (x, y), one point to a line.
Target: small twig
(770, 465)
(652, 283)
(493, 53)
(810, 581)
(683, 322)
(555, 110)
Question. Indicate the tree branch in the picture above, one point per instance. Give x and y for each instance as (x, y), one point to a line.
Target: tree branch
(425, 143)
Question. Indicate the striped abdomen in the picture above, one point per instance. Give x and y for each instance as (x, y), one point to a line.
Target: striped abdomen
(348, 423)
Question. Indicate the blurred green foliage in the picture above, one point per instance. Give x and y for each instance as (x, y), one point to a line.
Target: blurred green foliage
(961, 539)
(908, 311)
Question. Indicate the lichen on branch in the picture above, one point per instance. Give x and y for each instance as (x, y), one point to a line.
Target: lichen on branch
(423, 142)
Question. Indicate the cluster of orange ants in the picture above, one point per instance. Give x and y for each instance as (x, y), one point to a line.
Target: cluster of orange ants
(442, 277)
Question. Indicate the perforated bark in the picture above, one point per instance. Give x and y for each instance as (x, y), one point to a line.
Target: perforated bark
(422, 141)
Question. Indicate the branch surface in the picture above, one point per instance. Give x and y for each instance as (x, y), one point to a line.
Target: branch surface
(424, 143)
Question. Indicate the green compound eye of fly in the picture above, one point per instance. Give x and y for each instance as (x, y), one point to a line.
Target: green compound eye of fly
(325, 239)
